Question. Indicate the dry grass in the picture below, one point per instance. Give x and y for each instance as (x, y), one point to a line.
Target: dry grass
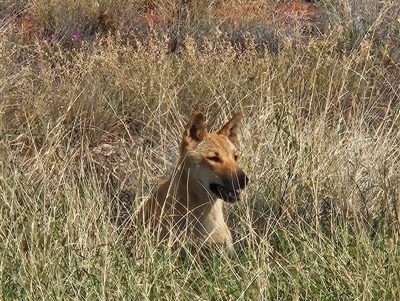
(92, 112)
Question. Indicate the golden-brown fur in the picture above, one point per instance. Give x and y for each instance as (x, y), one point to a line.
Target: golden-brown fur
(190, 204)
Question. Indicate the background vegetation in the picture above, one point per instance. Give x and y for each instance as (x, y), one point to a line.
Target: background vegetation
(93, 99)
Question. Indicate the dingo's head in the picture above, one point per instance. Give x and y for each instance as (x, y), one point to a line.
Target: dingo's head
(211, 158)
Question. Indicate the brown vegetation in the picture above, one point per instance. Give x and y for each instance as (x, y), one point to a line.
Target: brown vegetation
(91, 93)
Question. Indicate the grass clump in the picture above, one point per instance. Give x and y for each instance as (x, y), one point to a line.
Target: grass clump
(94, 97)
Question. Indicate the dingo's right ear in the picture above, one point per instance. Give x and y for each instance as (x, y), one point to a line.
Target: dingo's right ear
(231, 129)
(195, 131)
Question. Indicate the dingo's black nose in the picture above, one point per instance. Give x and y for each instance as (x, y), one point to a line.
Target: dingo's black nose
(242, 179)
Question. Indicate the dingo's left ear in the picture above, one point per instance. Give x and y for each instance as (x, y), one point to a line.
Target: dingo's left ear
(231, 129)
(195, 131)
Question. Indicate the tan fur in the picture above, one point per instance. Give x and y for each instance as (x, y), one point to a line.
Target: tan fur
(189, 206)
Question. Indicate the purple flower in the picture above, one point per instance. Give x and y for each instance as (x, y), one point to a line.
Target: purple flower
(288, 15)
(75, 36)
(380, 33)
(53, 36)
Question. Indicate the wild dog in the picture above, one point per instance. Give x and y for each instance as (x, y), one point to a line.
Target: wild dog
(190, 204)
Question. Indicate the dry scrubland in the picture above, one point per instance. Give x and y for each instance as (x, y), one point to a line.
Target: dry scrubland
(92, 106)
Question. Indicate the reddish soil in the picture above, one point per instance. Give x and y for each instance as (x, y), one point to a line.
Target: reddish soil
(287, 13)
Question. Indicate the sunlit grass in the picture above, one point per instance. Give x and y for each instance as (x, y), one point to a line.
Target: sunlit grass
(91, 119)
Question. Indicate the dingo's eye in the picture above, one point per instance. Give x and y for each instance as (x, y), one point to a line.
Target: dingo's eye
(235, 156)
(214, 159)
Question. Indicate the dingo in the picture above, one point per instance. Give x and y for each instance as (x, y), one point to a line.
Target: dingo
(190, 204)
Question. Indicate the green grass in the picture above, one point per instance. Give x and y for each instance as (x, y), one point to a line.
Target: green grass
(90, 125)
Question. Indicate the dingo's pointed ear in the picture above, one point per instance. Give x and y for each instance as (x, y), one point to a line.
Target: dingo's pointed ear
(231, 129)
(195, 131)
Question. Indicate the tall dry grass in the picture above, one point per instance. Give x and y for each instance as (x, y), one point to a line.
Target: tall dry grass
(91, 118)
